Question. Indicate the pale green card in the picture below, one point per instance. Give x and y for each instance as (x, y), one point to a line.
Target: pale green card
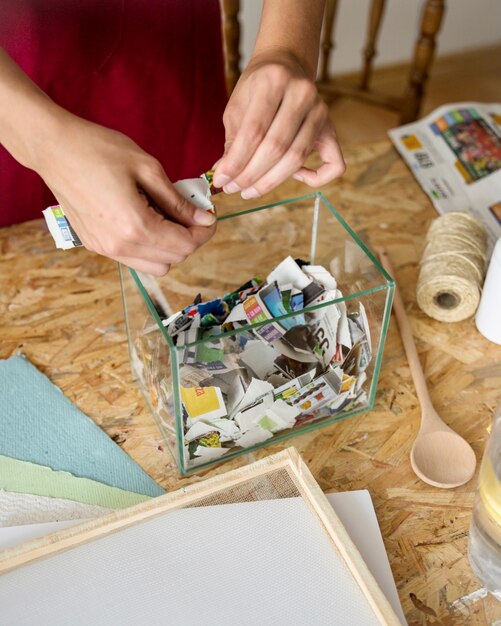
(25, 477)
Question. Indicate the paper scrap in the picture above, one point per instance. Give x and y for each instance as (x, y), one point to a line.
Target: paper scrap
(24, 477)
(25, 508)
(253, 436)
(39, 424)
(203, 402)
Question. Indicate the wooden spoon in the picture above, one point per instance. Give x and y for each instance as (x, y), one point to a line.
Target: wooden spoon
(439, 456)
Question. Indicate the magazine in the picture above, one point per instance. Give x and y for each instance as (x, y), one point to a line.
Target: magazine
(455, 154)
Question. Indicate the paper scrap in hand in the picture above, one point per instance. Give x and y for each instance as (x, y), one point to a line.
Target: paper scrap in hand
(197, 190)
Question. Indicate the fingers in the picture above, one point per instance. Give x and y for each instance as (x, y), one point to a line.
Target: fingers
(298, 121)
(134, 230)
(292, 160)
(243, 136)
(274, 119)
(160, 190)
(333, 161)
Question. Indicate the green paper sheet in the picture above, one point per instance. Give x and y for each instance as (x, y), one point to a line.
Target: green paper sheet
(24, 477)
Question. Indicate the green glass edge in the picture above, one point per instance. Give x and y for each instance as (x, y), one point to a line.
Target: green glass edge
(144, 393)
(315, 194)
(362, 245)
(390, 285)
(122, 289)
(178, 410)
(382, 341)
(173, 360)
(151, 307)
(248, 327)
(276, 439)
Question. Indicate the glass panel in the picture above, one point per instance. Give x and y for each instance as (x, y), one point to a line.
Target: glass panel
(209, 367)
(150, 356)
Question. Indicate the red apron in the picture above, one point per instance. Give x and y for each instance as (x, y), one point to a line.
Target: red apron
(152, 69)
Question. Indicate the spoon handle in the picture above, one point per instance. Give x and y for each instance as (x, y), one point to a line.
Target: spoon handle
(407, 338)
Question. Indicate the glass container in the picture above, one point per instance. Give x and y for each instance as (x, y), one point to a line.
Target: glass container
(247, 244)
(484, 547)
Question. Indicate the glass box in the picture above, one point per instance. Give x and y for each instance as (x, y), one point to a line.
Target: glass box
(263, 380)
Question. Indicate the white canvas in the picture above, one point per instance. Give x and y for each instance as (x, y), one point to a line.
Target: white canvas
(265, 562)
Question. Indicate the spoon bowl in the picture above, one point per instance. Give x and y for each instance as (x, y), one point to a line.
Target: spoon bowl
(443, 459)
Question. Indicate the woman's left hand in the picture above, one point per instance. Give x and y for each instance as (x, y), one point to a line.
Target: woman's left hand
(273, 121)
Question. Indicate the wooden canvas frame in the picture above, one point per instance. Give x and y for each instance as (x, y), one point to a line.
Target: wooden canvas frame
(288, 460)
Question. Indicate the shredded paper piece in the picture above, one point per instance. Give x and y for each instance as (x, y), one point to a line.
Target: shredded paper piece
(254, 363)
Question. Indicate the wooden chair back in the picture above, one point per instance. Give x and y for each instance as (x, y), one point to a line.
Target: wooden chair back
(409, 104)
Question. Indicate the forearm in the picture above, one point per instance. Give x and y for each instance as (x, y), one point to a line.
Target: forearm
(291, 27)
(27, 115)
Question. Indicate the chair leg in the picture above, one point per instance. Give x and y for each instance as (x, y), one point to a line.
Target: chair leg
(431, 21)
(376, 13)
(327, 39)
(231, 38)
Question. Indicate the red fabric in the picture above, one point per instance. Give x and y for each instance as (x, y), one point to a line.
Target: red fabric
(152, 69)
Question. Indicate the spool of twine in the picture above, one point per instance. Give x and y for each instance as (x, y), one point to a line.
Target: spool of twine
(452, 267)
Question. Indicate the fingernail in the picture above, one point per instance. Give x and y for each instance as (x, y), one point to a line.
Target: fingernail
(249, 193)
(204, 218)
(220, 180)
(231, 187)
(298, 177)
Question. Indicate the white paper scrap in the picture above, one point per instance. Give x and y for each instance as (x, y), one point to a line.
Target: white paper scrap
(237, 314)
(210, 454)
(197, 191)
(285, 348)
(326, 334)
(227, 429)
(199, 429)
(343, 329)
(289, 272)
(279, 417)
(321, 275)
(258, 390)
(248, 418)
(259, 357)
(253, 436)
(59, 227)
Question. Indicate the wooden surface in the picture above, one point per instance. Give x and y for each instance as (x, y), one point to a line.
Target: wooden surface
(63, 310)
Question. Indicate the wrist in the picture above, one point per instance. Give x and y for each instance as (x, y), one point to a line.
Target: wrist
(45, 122)
(283, 56)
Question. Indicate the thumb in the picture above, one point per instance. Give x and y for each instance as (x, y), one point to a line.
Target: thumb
(167, 201)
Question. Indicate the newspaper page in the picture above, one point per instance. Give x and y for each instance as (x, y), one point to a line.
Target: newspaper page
(455, 154)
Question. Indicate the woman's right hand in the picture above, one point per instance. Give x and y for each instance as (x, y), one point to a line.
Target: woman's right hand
(107, 184)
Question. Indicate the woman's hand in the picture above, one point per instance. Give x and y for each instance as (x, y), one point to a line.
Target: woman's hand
(118, 198)
(274, 120)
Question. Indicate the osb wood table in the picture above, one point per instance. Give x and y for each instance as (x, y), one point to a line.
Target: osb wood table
(63, 310)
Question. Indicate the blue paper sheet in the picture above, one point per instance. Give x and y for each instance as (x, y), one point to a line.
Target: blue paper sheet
(39, 424)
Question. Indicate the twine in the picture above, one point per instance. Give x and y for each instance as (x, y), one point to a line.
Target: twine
(452, 267)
